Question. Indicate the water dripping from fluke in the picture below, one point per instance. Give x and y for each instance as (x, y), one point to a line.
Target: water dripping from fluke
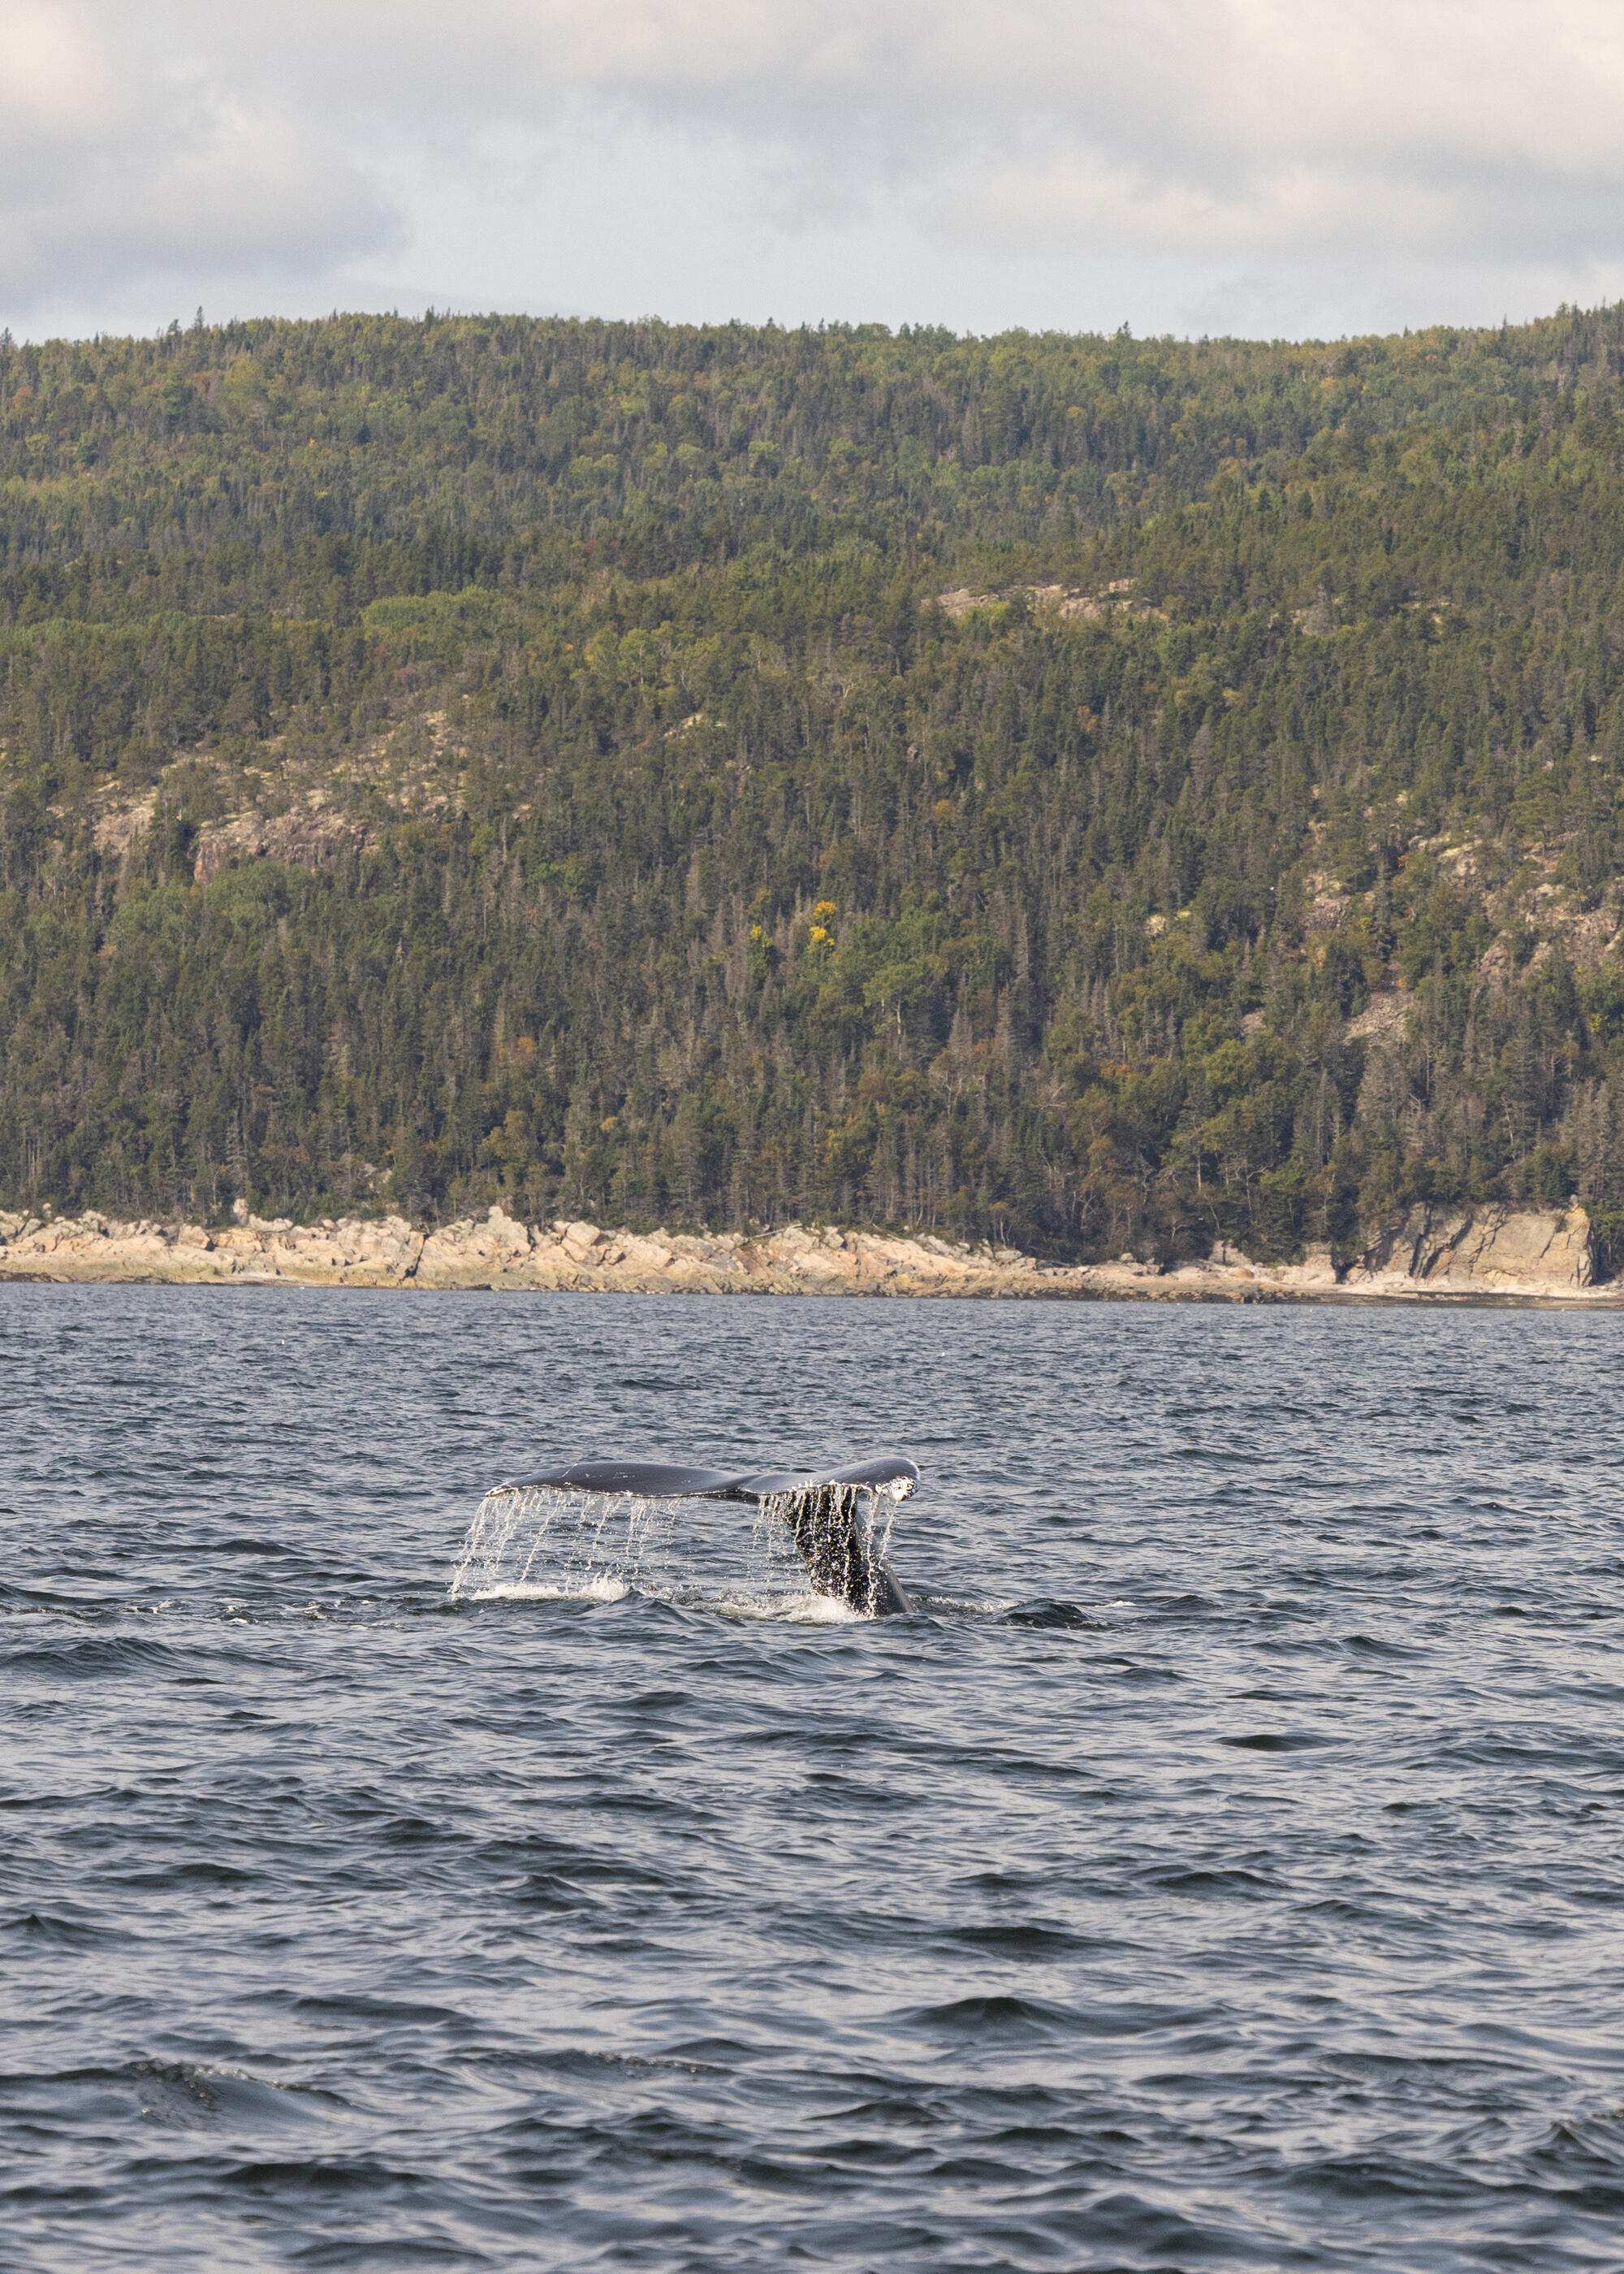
(594, 1530)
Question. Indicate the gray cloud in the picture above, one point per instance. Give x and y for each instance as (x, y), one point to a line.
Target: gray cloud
(115, 162)
(1332, 153)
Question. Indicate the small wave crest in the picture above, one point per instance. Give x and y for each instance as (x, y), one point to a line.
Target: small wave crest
(797, 1605)
(800, 1605)
(605, 1589)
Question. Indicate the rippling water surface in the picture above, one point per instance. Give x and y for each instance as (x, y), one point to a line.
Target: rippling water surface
(1223, 1867)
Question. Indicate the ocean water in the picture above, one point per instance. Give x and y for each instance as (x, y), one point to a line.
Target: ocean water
(1223, 1867)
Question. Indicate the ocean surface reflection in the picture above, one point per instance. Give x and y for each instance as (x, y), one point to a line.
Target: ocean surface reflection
(1223, 1867)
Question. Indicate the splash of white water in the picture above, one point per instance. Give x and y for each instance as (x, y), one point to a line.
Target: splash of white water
(544, 1543)
(603, 1590)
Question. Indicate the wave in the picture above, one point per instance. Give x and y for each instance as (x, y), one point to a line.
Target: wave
(605, 1589)
(799, 1605)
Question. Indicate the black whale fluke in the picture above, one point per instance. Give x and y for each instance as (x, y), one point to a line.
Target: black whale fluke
(830, 1516)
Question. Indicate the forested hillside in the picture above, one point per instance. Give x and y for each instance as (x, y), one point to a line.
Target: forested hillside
(1109, 793)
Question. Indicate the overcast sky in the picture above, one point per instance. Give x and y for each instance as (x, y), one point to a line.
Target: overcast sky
(1315, 168)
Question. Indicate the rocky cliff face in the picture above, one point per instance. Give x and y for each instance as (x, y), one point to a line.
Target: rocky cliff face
(1480, 1251)
(498, 1251)
(1543, 1255)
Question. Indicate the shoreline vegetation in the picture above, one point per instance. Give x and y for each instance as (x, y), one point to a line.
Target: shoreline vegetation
(1088, 794)
(1544, 1257)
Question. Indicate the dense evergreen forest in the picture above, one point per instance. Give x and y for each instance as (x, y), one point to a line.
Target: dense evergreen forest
(1109, 793)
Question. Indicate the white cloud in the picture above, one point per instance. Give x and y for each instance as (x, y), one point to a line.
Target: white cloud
(116, 161)
(1334, 149)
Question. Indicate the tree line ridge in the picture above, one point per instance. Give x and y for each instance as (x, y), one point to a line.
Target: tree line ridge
(1088, 794)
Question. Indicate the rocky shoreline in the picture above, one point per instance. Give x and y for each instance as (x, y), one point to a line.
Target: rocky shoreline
(1487, 1254)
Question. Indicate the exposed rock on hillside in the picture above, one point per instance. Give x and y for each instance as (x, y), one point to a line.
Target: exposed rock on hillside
(1385, 1018)
(304, 837)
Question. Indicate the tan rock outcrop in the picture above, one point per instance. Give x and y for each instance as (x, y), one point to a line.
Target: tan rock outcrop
(1486, 1251)
(1386, 1018)
(307, 836)
(1423, 1254)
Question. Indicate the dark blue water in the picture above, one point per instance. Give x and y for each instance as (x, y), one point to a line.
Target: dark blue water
(1225, 1868)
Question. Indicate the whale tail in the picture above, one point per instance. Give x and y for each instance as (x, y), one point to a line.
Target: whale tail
(830, 1517)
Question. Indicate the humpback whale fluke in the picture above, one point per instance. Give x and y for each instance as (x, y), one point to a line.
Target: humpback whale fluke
(829, 1516)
